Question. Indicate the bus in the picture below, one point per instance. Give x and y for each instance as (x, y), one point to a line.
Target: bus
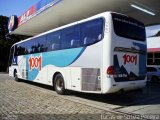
(105, 53)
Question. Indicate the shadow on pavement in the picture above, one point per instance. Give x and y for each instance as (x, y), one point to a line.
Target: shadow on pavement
(147, 96)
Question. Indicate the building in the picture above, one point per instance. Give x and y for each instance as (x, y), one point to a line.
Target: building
(153, 49)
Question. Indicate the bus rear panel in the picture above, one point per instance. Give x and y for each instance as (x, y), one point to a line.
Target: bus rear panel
(127, 69)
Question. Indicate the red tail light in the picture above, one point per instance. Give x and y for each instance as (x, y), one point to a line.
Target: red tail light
(111, 70)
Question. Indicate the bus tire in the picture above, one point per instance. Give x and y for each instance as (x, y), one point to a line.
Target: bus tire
(59, 85)
(16, 76)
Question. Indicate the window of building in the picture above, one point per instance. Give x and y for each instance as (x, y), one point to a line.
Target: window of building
(151, 69)
(153, 58)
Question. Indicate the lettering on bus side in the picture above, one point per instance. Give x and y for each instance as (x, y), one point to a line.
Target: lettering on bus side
(130, 59)
(35, 62)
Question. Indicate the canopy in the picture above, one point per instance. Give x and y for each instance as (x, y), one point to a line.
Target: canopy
(49, 14)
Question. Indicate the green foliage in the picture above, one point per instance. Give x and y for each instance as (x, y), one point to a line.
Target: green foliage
(3, 27)
(6, 41)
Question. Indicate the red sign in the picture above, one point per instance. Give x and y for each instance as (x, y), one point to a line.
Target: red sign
(27, 15)
(35, 63)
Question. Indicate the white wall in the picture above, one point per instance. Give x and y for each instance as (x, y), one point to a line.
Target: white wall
(153, 42)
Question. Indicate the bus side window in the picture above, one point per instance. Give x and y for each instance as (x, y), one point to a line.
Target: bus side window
(91, 31)
(70, 37)
(53, 41)
(40, 44)
(30, 47)
(21, 49)
(74, 43)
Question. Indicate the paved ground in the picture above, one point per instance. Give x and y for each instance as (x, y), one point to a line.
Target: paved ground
(26, 100)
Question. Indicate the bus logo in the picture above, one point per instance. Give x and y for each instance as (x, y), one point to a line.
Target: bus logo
(35, 62)
(130, 59)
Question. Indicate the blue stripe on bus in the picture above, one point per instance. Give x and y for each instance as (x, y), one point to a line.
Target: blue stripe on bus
(60, 58)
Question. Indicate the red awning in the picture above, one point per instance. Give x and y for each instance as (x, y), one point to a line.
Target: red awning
(153, 50)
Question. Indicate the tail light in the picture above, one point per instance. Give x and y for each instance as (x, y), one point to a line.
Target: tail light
(111, 70)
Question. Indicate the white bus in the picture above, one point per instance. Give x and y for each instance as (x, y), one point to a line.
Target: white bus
(101, 54)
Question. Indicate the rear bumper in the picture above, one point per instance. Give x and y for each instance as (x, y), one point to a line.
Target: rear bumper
(126, 86)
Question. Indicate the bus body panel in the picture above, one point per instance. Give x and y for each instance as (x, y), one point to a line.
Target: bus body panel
(41, 67)
(84, 68)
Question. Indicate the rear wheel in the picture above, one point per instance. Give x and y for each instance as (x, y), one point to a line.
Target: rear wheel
(59, 84)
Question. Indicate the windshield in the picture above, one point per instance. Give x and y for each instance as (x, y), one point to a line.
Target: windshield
(128, 27)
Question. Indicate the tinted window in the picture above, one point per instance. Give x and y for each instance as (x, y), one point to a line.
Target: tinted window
(21, 50)
(25, 48)
(70, 37)
(92, 31)
(157, 55)
(30, 46)
(40, 44)
(153, 59)
(53, 41)
(150, 62)
(151, 69)
(157, 62)
(128, 27)
(150, 55)
(36, 45)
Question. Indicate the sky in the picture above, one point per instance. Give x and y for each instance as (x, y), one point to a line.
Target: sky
(15, 7)
(18, 7)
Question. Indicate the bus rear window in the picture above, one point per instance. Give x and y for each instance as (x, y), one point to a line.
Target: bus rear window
(128, 27)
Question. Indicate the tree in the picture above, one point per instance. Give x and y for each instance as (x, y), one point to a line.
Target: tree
(6, 41)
